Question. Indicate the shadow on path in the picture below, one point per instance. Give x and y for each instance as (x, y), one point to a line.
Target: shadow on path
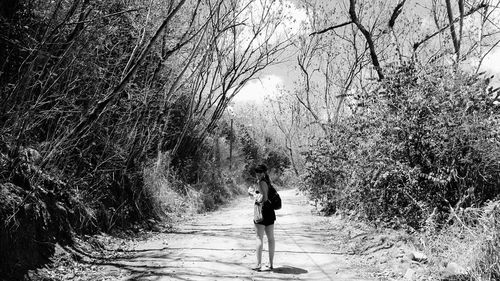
(220, 246)
(289, 270)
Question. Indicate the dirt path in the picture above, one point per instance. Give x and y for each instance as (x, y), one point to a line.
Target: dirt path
(220, 246)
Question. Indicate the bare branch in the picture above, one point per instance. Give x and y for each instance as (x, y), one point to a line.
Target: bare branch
(397, 11)
(105, 16)
(470, 12)
(331, 28)
(101, 106)
(456, 43)
(461, 25)
(485, 54)
(368, 37)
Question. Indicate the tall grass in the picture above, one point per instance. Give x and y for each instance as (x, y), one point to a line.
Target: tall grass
(165, 191)
(473, 242)
(170, 196)
(487, 263)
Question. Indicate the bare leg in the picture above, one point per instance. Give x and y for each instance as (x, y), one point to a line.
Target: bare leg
(271, 244)
(259, 230)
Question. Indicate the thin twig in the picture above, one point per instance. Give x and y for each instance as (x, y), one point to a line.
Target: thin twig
(330, 28)
(105, 16)
(471, 11)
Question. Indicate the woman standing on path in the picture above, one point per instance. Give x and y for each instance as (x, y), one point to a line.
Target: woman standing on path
(267, 224)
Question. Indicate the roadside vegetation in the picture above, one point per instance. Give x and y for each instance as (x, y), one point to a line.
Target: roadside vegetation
(111, 115)
(121, 113)
(412, 142)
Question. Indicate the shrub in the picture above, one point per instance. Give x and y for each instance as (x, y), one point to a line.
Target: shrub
(416, 143)
(276, 159)
(35, 212)
(61, 62)
(251, 152)
(272, 155)
(487, 264)
(472, 243)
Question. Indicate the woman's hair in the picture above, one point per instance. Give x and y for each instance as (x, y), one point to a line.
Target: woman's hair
(263, 169)
(267, 179)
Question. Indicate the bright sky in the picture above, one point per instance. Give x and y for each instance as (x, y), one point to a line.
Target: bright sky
(256, 90)
(492, 62)
(276, 77)
(282, 76)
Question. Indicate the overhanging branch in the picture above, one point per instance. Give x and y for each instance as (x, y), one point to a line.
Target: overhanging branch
(368, 37)
(470, 12)
(330, 28)
(397, 10)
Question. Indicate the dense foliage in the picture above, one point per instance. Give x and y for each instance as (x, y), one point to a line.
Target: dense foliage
(100, 94)
(269, 153)
(420, 143)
